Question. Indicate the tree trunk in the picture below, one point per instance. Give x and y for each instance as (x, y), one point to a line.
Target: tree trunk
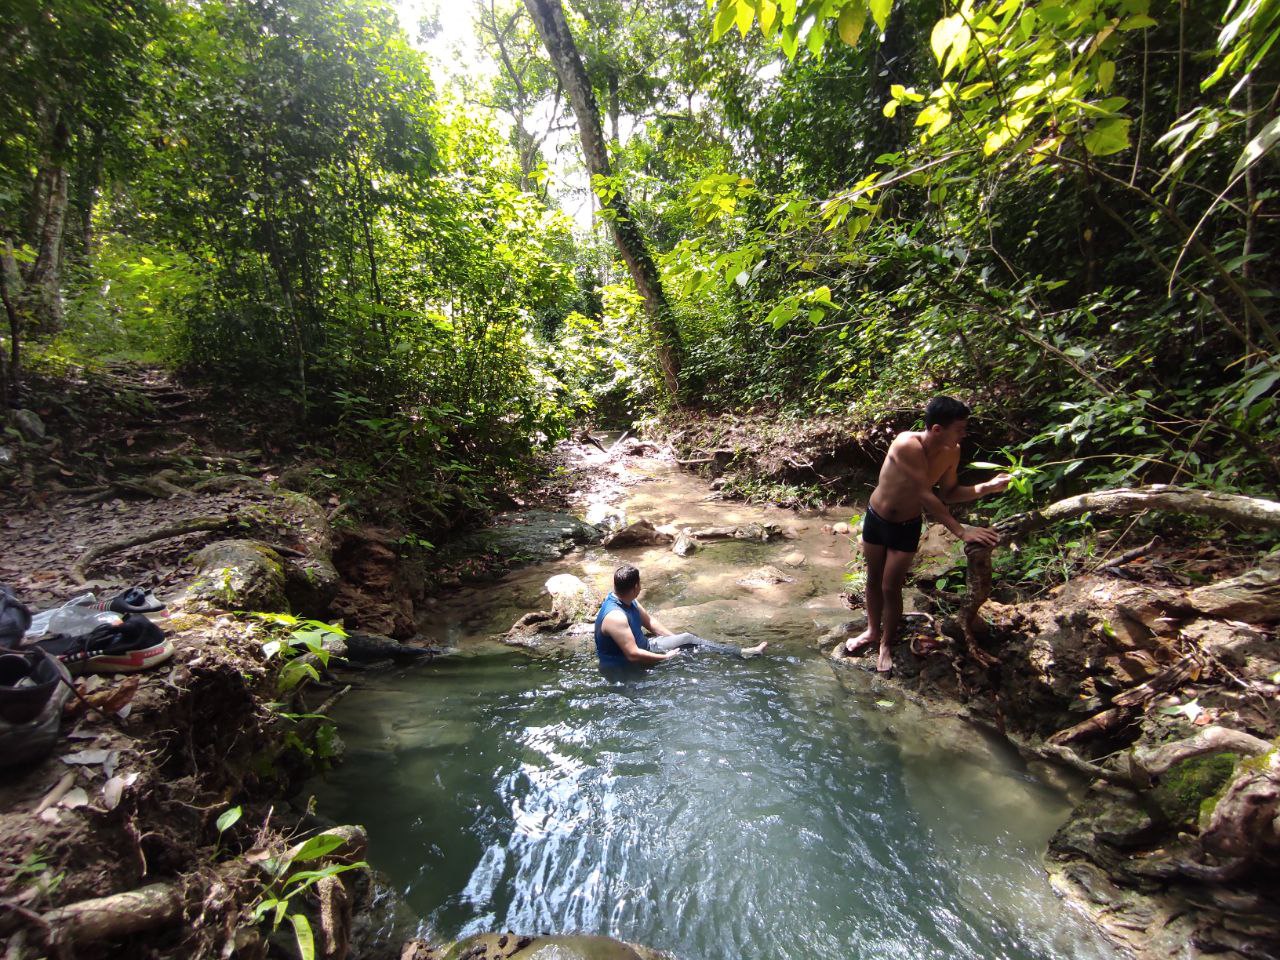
(548, 17)
(11, 367)
(42, 287)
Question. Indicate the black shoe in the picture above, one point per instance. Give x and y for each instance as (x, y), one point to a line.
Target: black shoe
(33, 688)
(131, 645)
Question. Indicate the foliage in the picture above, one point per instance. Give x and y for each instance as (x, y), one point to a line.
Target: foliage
(280, 897)
(304, 637)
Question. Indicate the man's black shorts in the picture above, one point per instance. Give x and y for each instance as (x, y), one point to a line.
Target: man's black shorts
(904, 536)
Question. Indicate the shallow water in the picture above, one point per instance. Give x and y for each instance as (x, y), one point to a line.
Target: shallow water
(782, 807)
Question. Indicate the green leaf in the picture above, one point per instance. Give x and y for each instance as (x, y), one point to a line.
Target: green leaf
(745, 17)
(1108, 137)
(1260, 386)
(725, 18)
(302, 933)
(944, 34)
(853, 20)
(318, 846)
(1106, 74)
(229, 818)
(1256, 148)
(880, 12)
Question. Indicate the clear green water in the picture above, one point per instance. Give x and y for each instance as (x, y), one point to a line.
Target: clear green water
(720, 809)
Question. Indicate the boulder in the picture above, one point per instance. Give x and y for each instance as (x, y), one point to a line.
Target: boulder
(311, 585)
(27, 423)
(572, 598)
(684, 545)
(642, 533)
(239, 575)
(794, 559)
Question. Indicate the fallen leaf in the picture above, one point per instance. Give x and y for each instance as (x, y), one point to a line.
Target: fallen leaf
(112, 792)
(76, 797)
(87, 756)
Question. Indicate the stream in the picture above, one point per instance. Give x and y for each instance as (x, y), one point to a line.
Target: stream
(782, 807)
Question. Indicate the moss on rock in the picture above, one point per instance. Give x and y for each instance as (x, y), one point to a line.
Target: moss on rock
(1188, 785)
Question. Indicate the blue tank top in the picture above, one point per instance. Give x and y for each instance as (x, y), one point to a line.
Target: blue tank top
(607, 650)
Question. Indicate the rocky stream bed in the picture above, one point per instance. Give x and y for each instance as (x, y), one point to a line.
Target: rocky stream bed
(123, 843)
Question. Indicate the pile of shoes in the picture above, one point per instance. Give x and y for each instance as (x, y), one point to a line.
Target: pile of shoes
(38, 655)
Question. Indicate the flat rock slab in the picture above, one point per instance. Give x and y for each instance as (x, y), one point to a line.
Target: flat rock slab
(526, 536)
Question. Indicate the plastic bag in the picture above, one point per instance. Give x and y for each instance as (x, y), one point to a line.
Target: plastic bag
(73, 618)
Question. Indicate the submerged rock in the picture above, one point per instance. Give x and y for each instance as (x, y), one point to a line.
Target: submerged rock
(525, 536)
(765, 577)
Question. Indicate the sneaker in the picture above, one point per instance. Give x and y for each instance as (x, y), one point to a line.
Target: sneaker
(131, 645)
(33, 689)
(133, 600)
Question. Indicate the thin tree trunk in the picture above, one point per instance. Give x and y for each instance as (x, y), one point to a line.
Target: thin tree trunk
(43, 280)
(548, 17)
(10, 368)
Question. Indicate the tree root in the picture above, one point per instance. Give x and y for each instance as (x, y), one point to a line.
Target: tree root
(79, 570)
(1148, 762)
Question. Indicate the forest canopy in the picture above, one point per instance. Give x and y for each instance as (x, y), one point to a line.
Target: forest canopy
(1062, 210)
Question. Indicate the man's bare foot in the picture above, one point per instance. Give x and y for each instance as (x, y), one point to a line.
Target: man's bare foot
(854, 644)
(885, 663)
(756, 650)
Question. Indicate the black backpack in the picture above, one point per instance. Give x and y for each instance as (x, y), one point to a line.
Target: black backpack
(15, 618)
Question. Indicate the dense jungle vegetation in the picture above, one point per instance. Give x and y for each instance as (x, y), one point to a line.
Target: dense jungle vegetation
(1063, 210)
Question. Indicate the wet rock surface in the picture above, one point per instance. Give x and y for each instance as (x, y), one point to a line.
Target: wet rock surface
(525, 536)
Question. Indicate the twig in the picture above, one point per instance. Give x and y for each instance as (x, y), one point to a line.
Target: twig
(1128, 555)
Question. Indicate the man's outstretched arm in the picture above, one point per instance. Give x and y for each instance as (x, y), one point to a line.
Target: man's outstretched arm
(950, 491)
(626, 642)
(913, 461)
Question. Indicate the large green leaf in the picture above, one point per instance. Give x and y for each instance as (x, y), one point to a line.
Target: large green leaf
(1108, 137)
(853, 19)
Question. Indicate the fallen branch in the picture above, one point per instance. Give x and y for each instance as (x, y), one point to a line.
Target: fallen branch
(1166, 680)
(614, 446)
(1128, 556)
(1250, 511)
(1069, 758)
(79, 570)
(1098, 723)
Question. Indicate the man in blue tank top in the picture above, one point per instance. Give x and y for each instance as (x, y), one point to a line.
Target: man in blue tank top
(622, 622)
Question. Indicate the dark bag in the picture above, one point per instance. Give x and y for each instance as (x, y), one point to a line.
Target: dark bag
(14, 618)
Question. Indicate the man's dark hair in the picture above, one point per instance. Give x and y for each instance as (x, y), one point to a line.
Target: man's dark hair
(625, 579)
(944, 411)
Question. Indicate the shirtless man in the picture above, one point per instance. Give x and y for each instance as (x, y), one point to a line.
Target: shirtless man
(918, 461)
(622, 623)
